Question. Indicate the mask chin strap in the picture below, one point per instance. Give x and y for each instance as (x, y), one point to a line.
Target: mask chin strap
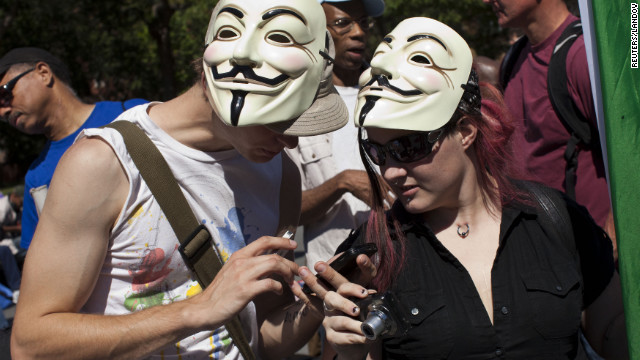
(327, 57)
(325, 54)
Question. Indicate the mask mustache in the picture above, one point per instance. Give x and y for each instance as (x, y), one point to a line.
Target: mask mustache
(248, 74)
(383, 81)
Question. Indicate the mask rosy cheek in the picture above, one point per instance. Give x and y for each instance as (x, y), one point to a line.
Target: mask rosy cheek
(209, 54)
(294, 65)
(430, 83)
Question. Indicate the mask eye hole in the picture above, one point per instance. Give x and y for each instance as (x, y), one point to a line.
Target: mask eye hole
(421, 59)
(227, 34)
(279, 38)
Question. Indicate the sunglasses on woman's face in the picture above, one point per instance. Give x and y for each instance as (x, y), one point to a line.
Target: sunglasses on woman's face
(6, 90)
(405, 149)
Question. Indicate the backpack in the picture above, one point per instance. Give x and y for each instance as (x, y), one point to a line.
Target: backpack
(581, 130)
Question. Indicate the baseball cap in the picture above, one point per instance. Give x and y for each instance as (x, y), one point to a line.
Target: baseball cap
(374, 8)
(327, 113)
(32, 55)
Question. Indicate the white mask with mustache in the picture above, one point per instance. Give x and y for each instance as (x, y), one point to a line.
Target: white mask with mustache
(415, 79)
(262, 62)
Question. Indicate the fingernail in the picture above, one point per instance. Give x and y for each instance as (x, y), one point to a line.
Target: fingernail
(304, 272)
(321, 267)
(355, 310)
(293, 243)
(363, 291)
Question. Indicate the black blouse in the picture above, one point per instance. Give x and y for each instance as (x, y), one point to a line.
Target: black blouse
(540, 286)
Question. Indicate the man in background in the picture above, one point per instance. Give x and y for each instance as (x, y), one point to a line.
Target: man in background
(543, 140)
(37, 98)
(336, 189)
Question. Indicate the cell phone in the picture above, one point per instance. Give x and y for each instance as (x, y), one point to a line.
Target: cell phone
(283, 252)
(346, 263)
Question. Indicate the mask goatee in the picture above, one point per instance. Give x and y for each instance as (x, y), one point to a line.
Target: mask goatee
(368, 105)
(237, 103)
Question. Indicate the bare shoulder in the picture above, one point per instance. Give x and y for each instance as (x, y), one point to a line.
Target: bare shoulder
(91, 154)
(88, 179)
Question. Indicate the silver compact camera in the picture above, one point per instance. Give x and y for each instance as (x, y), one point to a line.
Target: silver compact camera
(382, 316)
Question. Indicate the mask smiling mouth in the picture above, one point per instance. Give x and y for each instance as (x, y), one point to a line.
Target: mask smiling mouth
(369, 89)
(250, 77)
(383, 82)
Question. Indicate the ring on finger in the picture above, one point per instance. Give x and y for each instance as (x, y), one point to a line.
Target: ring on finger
(326, 307)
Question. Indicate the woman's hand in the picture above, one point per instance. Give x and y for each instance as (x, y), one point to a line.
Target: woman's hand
(343, 328)
(335, 281)
(339, 304)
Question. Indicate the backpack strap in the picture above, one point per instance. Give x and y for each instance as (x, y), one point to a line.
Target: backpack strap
(196, 245)
(576, 123)
(554, 215)
(509, 61)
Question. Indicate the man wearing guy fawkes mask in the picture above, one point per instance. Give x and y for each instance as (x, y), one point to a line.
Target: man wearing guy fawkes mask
(259, 67)
(106, 278)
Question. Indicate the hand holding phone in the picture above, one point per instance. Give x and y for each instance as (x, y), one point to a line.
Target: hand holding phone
(345, 263)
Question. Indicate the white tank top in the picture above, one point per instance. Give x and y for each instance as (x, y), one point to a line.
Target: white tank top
(236, 199)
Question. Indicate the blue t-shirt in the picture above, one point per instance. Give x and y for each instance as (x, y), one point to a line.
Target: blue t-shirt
(41, 170)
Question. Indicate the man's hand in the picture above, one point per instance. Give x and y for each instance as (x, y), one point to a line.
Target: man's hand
(246, 275)
(357, 183)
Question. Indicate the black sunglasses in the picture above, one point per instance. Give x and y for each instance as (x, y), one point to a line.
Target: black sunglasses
(405, 149)
(6, 90)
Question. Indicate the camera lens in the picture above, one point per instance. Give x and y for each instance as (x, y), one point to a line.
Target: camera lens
(374, 325)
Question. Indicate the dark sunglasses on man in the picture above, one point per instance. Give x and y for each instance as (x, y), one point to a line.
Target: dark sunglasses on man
(344, 25)
(6, 90)
(405, 149)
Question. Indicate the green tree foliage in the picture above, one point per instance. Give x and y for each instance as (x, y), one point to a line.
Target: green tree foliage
(115, 49)
(145, 48)
(472, 19)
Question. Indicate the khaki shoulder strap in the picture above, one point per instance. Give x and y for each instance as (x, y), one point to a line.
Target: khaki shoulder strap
(196, 246)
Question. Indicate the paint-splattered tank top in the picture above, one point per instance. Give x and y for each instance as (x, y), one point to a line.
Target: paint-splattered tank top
(143, 267)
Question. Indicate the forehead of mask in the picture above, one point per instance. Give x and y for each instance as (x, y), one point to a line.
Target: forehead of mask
(266, 57)
(424, 63)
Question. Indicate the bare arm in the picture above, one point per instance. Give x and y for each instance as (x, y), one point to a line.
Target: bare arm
(288, 326)
(604, 324)
(317, 201)
(87, 193)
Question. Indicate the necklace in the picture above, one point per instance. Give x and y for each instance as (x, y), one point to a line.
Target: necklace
(464, 234)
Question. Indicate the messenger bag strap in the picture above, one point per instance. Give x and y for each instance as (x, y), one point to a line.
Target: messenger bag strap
(196, 245)
(290, 196)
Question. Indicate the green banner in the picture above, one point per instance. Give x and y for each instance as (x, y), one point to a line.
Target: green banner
(616, 33)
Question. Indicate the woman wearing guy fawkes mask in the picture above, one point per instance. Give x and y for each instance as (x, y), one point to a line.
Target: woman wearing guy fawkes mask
(464, 248)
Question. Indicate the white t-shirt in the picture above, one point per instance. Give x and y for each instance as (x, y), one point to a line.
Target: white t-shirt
(320, 158)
